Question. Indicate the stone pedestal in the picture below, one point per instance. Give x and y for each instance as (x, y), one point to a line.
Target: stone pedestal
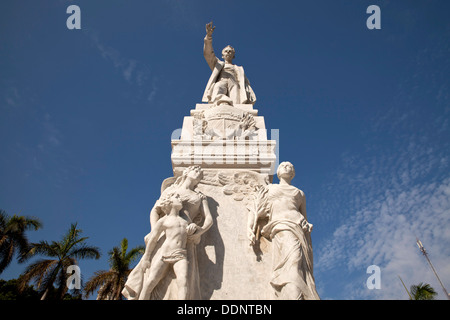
(230, 144)
(224, 137)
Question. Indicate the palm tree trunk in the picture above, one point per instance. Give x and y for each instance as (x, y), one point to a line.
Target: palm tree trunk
(49, 284)
(44, 296)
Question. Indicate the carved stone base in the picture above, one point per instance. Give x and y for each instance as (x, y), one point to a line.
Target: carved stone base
(224, 137)
(230, 144)
(229, 267)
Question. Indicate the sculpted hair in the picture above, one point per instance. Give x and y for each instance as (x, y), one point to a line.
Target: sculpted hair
(165, 203)
(181, 179)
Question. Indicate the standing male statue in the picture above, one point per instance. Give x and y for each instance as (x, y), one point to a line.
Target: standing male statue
(228, 83)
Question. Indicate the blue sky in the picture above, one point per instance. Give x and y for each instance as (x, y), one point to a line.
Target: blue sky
(86, 118)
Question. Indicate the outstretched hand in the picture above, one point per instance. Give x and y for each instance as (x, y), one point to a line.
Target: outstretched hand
(191, 229)
(209, 29)
(306, 226)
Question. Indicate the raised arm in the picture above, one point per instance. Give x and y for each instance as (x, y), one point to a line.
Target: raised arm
(156, 213)
(208, 217)
(199, 230)
(208, 51)
(153, 239)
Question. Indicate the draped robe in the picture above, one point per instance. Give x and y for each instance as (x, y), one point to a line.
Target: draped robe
(292, 276)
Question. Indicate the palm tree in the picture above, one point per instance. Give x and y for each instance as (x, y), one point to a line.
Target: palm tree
(13, 238)
(422, 292)
(64, 253)
(112, 282)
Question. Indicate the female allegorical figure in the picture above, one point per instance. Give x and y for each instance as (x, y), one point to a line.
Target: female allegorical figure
(194, 210)
(283, 205)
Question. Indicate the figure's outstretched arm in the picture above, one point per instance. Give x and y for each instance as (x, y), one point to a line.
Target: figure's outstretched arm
(208, 51)
(154, 216)
(156, 213)
(200, 230)
(151, 243)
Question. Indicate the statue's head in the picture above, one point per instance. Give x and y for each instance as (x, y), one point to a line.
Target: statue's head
(193, 172)
(228, 53)
(171, 200)
(286, 170)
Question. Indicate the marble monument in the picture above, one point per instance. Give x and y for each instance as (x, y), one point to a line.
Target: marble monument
(220, 229)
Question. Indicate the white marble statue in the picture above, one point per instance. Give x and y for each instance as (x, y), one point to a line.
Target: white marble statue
(283, 207)
(176, 231)
(169, 267)
(228, 83)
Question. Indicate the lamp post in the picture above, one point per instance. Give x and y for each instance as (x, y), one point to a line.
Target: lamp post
(422, 249)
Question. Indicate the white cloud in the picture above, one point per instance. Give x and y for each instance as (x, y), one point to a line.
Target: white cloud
(128, 70)
(382, 230)
(52, 136)
(392, 194)
(394, 191)
(132, 71)
(12, 96)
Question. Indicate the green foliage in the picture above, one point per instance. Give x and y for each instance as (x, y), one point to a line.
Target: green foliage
(47, 272)
(13, 238)
(49, 275)
(112, 282)
(422, 292)
(9, 290)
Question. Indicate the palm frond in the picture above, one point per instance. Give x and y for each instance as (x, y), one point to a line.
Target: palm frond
(3, 219)
(99, 279)
(423, 292)
(124, 247)
(12, 237)
(6, 254)
(44, 248)
(85, 252)
(22, 223)
(38, 271)
(134, 254)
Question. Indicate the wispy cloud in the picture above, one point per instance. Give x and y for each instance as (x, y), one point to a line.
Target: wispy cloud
(52, 136)
(394, 191)
(12, 97)
(390, 199)
(48, 145)
(133, 71)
